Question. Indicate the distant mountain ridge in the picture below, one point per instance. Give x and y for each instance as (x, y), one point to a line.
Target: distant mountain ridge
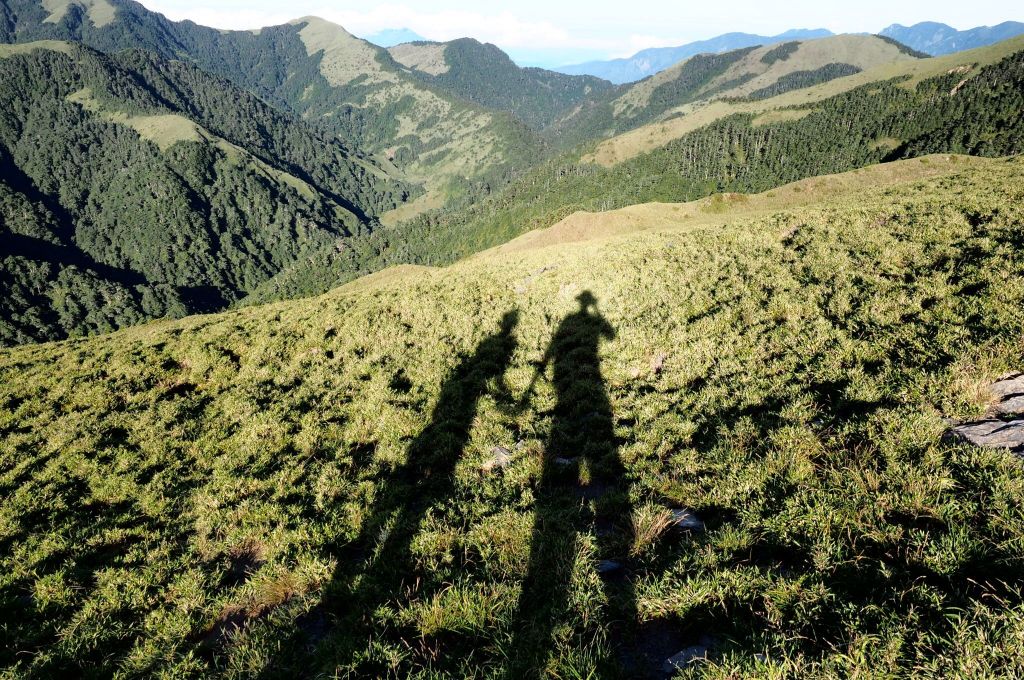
(390, 37)
(422, 132)
(935, 39)
(930, 37)
(650, 61)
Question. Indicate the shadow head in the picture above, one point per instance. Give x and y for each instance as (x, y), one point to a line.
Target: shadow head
(586, 300)
(509, 321)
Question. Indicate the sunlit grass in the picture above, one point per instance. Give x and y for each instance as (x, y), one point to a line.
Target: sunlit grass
(187, 498)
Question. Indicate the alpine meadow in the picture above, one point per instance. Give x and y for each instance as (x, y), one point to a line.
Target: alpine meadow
(323, 358)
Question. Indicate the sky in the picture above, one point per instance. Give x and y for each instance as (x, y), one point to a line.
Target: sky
(557, 32)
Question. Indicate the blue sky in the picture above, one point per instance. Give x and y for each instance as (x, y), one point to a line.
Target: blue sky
(555, 32)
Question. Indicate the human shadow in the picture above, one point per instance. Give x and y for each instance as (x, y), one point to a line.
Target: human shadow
(583, 487)
(375, 568)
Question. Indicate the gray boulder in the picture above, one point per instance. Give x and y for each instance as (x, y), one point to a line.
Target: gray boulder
(994, 434)
(1009, 392)
(685, 519)
(685, 658)
(499, 459)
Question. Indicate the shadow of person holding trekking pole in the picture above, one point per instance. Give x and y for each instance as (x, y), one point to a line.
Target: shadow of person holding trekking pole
(581, 444)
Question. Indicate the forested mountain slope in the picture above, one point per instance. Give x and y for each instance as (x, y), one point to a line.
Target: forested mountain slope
(411, 114)
(646, 63)
(484, 74)
(966, 109)
(481, 471)
(459, 119)
(434, 136)
(134, 188)
(681, 120)
(753, 72)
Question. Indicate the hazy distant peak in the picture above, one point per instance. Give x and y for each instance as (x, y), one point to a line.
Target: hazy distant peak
(937, 38)
(390, 37)
(654, 60)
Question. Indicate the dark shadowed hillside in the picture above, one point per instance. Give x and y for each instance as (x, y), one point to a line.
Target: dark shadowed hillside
(135, 188)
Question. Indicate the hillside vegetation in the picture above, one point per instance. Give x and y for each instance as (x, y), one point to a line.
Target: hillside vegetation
(430, 134)
(134, 188)
(729, 75)
(483, 74)
(417, 139)
(469, 472)
(963, 110)
(682, 120)
(458, 119)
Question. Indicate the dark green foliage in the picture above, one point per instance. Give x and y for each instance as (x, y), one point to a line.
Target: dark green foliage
(780, 53)
(596, 119)
(112, 230)
(984, 116)
(6, 23)
(841, 133)
(52, 289)
(326, 163)
(798, 80)
(904, 48)
(483, 74)
(274, 64)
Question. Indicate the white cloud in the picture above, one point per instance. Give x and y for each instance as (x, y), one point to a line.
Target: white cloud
(224, 17)
(502, 28)
(587, 26)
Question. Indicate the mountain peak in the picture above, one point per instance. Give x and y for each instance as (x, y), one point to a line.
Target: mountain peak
(346, 57)
(389, 37)
(654, 60)
(937, 38)
(320, 23)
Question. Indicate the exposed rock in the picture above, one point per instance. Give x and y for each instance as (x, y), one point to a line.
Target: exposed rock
(686, 520)
(685, 658)
(1012, 406)
(565, 462)
(499, 460)
(658, 362)
(1009, 391)
(1008, 395)
(994, 434)
(525, 284)
(607, 567)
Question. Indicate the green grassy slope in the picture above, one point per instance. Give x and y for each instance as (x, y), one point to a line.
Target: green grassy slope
(710, 77)
(305, 486)
(974, 111)
(133, 188)
(681, 120)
